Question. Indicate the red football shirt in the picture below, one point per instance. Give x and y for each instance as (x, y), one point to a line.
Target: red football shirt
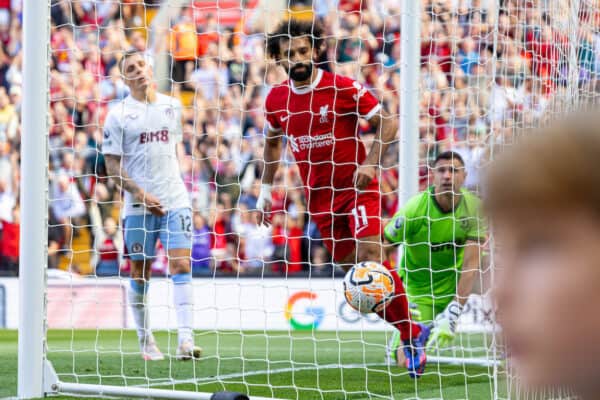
(321, 125)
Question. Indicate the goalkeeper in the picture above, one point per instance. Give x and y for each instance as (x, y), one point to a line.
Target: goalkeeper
(442, 235)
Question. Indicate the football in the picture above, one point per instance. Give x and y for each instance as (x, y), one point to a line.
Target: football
(368, 287)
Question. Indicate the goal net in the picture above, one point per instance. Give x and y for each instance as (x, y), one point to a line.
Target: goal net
(268, 305)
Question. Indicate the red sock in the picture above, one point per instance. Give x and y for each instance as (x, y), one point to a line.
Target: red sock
(397, 312)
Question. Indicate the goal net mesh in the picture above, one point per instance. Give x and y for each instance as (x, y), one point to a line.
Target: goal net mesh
(268, 308)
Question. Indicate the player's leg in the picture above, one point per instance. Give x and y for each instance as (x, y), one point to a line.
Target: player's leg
(357, 238)
(140, 239)
(365, 225)
(419, 312)
(138, 287)
(176, 236)
(412, 337)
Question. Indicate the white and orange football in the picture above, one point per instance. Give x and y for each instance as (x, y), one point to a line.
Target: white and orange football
(368, 287)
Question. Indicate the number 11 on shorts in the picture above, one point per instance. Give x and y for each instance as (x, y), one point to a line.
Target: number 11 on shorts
(360, 218)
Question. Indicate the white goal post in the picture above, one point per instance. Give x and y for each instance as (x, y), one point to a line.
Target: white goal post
(36, 25)
(408, 165)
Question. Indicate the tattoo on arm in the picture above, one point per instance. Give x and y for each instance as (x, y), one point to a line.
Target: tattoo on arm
(271, 155)
(386, 129)
(119, 176)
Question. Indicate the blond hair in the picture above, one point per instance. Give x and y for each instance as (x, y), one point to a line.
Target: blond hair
(553, 168)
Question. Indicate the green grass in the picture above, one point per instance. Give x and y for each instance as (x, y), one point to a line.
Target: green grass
(302, 365)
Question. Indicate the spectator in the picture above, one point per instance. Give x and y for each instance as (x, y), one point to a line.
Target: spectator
(279, 240)
(8, 201)
(468, 55)
(474, 153)
(201, 257)
(56, 240)
(208, 33)
(112, 88)
(15, 100)
(223, 249)
(14, 74)
(294, 231)
(138, 41)
(66, 203)
(209, 80)
(183, 45)
(108, 244)
(505, 100)
(8, 116)
(249, 197)
(9, 244)
(256, 241)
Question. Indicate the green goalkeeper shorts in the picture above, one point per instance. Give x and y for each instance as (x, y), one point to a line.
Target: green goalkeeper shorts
(425, 312)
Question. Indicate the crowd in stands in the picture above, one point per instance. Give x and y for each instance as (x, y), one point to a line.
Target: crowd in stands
(483, 72)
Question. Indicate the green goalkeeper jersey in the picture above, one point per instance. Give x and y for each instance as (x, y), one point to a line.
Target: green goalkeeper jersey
(434, 245)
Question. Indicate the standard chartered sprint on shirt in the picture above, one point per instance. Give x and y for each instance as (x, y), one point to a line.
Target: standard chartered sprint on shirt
(308, 142)
(145, 135)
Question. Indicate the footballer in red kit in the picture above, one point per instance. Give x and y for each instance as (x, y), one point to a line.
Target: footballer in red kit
(320, 122)
(318, 113)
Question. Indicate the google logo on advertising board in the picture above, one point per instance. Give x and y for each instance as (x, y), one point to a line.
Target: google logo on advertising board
(316, 313)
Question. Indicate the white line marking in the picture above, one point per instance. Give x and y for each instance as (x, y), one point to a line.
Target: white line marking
(254, 373)
(482, 362)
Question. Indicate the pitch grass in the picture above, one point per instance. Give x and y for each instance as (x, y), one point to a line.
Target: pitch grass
(300, 365)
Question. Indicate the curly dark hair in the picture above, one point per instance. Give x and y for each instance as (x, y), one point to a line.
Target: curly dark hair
(294, 28)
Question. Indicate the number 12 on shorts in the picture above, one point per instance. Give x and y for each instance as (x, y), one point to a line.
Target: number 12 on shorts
(186, 223)
(360, 218)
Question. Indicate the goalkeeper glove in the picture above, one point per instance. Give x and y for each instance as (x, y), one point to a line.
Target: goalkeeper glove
(264, 201)
(415, 314)
(444, 326)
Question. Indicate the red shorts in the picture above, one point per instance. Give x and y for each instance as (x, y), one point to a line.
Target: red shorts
(358, 218)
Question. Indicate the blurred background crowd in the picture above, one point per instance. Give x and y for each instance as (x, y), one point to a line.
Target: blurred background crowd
(484, 71)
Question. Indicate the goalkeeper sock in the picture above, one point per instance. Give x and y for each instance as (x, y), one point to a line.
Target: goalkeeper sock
(183, 297)
(397, 312)
(137, 302)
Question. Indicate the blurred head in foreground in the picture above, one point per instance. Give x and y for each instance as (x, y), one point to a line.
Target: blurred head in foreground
(544, 200)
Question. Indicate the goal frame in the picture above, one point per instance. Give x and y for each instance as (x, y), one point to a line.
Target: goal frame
(34, 145)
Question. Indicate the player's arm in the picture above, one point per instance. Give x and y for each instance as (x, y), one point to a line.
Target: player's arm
(271, 157)
(469, 271)
(395, 229)
(386, 128)
(112, 148)
(393, 233)
(182, 156)
(122, 179)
